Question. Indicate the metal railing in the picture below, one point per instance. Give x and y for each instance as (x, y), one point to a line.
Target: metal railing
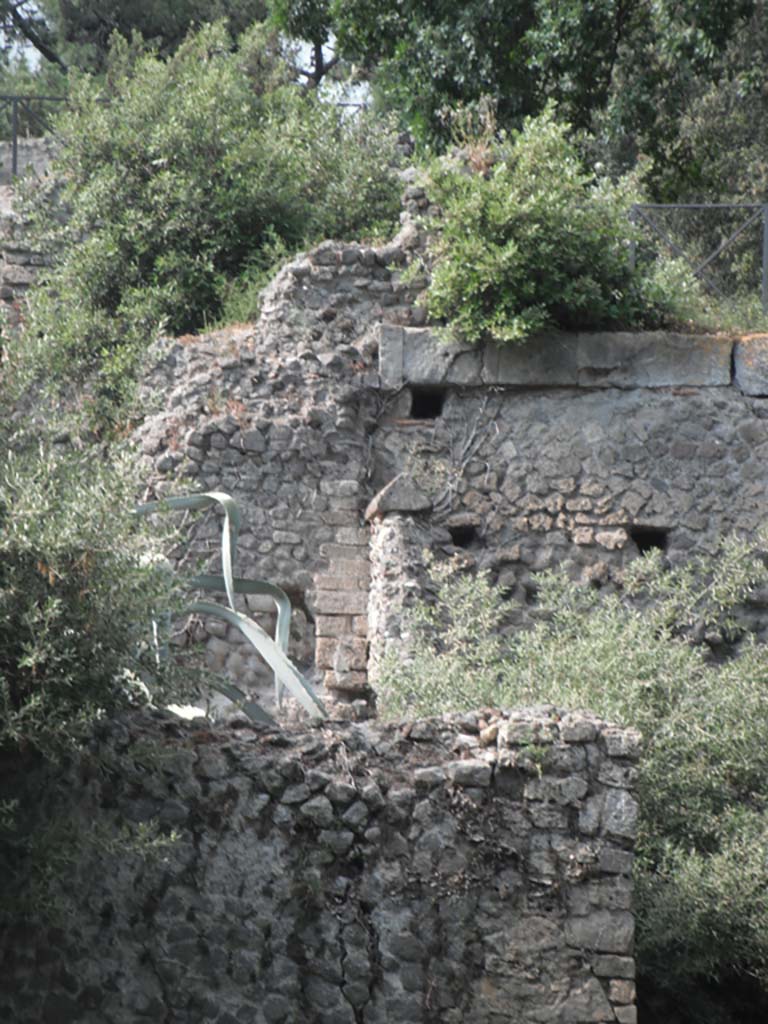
(25, 114)
(756, 213)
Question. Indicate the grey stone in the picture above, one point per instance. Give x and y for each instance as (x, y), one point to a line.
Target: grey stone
(616, 862)
(614, 966)
(371, 793)
(575, 729)
(586, 1002)
(469, 773)
(623, 743)
(295, 794)
(276, 1008)
(399, 495)
(619, 815)
(318, 810)
(546, 360)
(603, 931)
(653, 360)
(356, 816)
(428, 359)
(340, 792)
(428, 778)
(750, 365)
(390, 343)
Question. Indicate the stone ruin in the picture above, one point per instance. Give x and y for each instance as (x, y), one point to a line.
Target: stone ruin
(473, 868)
(354, 441)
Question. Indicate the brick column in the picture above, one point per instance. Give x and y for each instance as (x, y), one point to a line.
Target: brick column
(340, 599)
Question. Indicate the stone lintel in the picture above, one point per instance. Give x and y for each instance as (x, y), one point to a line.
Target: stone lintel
(655, 359)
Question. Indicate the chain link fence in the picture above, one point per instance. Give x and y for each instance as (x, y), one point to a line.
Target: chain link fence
(724, 244)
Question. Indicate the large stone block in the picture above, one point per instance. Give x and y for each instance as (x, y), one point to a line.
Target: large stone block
(391, 356)
(653, 360)
(550, 360)
(750, 365)
(416, 355)
(604, 931)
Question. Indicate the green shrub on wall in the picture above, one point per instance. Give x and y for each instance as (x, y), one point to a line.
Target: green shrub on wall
(174, 176)
(702, 872)
(528, 239)
(79, 579)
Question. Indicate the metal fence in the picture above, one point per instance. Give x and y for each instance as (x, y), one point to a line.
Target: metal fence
(725, 244)
(24, 116)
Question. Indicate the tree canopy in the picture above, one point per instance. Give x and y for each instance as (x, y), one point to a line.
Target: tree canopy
(675, 81)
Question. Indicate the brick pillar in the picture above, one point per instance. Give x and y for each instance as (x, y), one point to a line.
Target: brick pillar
(340, 600)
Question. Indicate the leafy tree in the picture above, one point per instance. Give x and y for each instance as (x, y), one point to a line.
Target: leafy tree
(701, 871)
(79, 32)
(425, 56)
(308, 20)
(626, 70)
(176, 174)
(22, 22)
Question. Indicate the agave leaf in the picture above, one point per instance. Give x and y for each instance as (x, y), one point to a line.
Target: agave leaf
(281, 599)
(252, 708)
(274, 652)
(229, 530)
(288, 674)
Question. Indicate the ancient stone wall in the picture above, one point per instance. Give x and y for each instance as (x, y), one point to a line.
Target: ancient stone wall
(580, 452)
(576, 451)
(475, 868)
(353, 439)
(279, 414)
(33, 156)
(19, 264)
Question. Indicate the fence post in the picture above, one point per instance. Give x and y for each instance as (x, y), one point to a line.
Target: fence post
(632, 241)
(14, 136)
(765, 260)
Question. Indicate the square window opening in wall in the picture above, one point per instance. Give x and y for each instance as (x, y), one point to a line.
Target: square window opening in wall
(427, 403)
(464, 536)
(649, 538)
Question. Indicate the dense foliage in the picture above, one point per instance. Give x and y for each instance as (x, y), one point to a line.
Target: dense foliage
(527, 239)
(176, 176)
(79, 579)
(702, 877)
(629, 71)
(78, 33)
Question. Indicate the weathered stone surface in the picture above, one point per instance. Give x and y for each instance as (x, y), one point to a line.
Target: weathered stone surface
(614, 967)
(603, 931)
(470, 773)
(750, 365)
(400, 495)
(417, 356)
(546, 361)
(330, 875)
(653, 360)
(619, 815)
(621, 360)
(429, 360)
(586, 1002)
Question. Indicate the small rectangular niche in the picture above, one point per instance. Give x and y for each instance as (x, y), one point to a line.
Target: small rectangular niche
(427, 402)
(464, 536)
(649, 538)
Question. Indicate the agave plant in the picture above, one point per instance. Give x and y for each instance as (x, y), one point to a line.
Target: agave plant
(273, 651)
